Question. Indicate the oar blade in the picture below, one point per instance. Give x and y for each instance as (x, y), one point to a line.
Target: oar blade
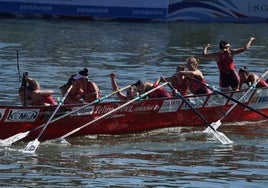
(9, 141)
(222, 138)
(215, 126)
(31, 146)
(62, 141)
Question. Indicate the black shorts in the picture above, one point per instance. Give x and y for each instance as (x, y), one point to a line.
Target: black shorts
(229, 78)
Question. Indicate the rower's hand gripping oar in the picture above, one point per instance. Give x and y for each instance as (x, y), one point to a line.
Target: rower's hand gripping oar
(10, 140)
(219, 135)
(62, 138)
(32, 145)
(216, 124)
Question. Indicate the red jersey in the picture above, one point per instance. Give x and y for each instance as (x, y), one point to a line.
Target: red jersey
(48, 99)
(159, 93)
(198, 88)
(261, 83)
(182, 88)
(225, 62)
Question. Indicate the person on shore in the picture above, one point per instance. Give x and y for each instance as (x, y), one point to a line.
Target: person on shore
(144, 87)
(178, 81)
(83, 90)
(249, 78)
(34, 95)
(131, 92)
(196, 80)
(225, 61)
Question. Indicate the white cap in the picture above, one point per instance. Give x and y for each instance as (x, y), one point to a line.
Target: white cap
(78, 76)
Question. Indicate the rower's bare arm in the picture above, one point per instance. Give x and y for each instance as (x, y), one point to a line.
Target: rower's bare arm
(244, 48)
(120, 95)
(208, 55)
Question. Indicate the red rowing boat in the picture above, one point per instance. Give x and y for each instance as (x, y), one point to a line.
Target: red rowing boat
(117, 117)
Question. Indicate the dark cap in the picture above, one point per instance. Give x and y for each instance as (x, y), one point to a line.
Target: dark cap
(84, 72)
(243, 69)
(223, 44)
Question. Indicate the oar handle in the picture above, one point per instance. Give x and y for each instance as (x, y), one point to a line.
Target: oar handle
(188, 103)
(245, 94)
(32, 145)
(252, 86)
(84, 106)
(55, 111)
(259, 79)
(14, 138)
(112, 111)
(89, 104)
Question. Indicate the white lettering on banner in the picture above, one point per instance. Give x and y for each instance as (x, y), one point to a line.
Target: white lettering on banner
(22, 115)
(36, 8)
(147, 12)
(2, 112)
(143, 107)
(170, 106)
(85, 111)
(93, 10)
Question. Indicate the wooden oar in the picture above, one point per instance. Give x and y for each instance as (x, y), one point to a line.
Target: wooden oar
(32, 145)
(227, 96)
(62, 138)
(218, 123)
(10, 140)
(219, 135)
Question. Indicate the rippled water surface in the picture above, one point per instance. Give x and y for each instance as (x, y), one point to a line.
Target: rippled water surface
(52, 50)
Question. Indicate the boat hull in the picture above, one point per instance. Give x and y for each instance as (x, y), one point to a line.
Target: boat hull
(139, 116)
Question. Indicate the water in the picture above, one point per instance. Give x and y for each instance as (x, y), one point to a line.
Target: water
(52, 50)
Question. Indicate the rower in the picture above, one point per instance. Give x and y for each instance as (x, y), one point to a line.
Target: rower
(225, 62)
(144, 87)
(34, 95)
(194, 73)
(131, 92)
(249, 78)
(178, 81)
(24, 91)
(83, 90)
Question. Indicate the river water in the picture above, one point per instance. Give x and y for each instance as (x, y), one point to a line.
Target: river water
(51, 50)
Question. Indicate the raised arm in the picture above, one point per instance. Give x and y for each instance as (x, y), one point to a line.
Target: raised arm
(206, 55)
(244, 48)
(115, 88)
